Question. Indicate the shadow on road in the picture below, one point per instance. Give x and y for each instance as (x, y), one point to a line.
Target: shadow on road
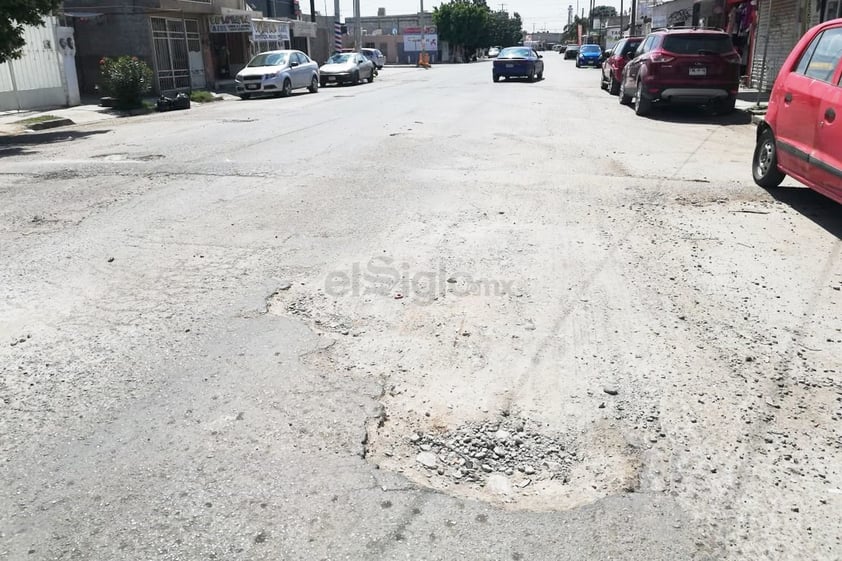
(699, 116)
(815, 206)
(16, 144)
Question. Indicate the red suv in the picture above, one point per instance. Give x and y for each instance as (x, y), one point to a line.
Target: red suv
(800, 136)
(615, 61)
(695, 66)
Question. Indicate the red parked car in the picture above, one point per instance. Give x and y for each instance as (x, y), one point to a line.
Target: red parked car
(612, 66)
(696, 66)
(801, 135)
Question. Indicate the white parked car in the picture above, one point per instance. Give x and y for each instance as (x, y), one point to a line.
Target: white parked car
(347, 68)
(277, 73)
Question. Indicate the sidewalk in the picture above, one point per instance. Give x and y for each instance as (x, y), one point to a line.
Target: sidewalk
(753, 102)
(10, 121)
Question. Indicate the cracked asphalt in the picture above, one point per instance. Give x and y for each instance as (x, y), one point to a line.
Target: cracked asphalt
(220, 328)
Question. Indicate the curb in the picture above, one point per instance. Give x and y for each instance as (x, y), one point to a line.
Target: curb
(51, 124)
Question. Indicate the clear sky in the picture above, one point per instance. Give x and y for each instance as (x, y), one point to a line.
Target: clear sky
(541, 14)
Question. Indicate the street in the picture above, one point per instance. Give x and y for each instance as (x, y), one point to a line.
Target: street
(432, 317)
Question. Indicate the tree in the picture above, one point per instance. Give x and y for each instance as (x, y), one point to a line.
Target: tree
(603, 12)
(463, 24)
(571, 32)
(503, 30)
(14, 14)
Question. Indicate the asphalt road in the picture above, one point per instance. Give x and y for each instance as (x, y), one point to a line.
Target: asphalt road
(221, 328)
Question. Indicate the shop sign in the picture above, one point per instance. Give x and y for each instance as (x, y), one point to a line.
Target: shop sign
(271, 31)
(230, 23)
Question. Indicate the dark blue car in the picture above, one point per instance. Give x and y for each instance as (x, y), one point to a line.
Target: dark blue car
(518, 62)
(589, 55)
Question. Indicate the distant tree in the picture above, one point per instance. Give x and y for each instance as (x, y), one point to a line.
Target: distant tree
(463, 24)
(14, 14)
(571, 32)
(603, 12)
(504, 30)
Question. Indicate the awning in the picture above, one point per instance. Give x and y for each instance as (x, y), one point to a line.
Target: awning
(82, 14)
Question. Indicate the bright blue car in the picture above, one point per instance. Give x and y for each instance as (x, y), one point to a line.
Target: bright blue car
(589, 55)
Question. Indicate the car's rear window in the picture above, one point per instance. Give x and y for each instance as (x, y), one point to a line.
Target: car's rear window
(631, 47)
(698, 44)
(516, 52)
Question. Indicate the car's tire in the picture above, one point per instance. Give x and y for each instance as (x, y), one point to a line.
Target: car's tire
(603, 85)
(286, 90)
(540, 75)
(245, 96)
(764, 163)
(355, 78)
(613, 85)
(577, 64)
(370, 78)
(314, 85)
(622, 96)
(642, 106)
(495, 77)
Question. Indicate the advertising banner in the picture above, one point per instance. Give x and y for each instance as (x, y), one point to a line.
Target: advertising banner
(412, 43)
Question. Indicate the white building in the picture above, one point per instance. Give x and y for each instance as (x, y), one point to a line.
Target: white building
(45, 76)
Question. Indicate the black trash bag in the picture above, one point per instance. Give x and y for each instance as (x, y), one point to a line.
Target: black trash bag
(181, 101)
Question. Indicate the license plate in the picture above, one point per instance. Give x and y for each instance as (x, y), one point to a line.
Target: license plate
(331, 79)
(698, 71)
(252, 86)
(510, 66)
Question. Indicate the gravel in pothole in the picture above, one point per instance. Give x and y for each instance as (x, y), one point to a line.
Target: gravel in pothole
(474, 451)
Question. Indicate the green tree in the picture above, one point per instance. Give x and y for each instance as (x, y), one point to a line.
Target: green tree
(503, 30)
(603, 12)
(463, 24)
(571, 33)
(14, 14)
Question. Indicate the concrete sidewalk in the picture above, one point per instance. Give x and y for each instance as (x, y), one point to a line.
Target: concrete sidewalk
(14, 122)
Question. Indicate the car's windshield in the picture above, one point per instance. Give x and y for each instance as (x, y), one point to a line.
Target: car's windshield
(516, 52)
(590, 49)
(268, 59)
(694, 44)
(340, 58)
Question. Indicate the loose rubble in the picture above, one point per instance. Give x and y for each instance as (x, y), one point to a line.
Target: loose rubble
(484, 452)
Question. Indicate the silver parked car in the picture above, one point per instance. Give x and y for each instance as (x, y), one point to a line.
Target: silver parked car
(277, 73)
(375, 56)
(346, 68)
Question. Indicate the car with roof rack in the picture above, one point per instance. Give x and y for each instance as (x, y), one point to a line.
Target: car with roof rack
(682, 65)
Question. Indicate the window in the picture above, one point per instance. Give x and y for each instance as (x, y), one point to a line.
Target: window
(630, 47)
(698, 44)
(825, 56)
(807, 55)
(646, 46)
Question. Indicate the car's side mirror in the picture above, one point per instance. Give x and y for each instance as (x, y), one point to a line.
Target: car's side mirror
(540, 56)
(293, 64)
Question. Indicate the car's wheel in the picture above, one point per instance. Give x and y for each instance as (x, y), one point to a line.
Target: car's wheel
(314, 85)
(245, 96)
(764, 164)
(613, 86)
(371, 76)
(578, 65)
(286, 90)
(495, 77)
(624, 98)
(602, 84)
(642, 106)
(355, 78)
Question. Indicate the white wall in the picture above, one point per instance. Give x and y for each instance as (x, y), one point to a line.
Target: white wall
(39, 79)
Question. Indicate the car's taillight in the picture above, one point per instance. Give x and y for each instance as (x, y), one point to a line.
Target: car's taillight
(661, 58)
(733, 58)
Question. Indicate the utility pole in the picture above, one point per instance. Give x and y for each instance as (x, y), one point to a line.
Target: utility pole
(358, 32)
(621, 18)
(633, 19)
(313, 11)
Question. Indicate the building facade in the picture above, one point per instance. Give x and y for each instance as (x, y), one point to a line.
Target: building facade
(398, 37)
(190, 45)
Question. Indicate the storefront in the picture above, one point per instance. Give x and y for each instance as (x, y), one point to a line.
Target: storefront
(236, 37)
(779, 26)
(742, 26)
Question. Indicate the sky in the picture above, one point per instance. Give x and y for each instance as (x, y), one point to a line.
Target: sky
(541, 15)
